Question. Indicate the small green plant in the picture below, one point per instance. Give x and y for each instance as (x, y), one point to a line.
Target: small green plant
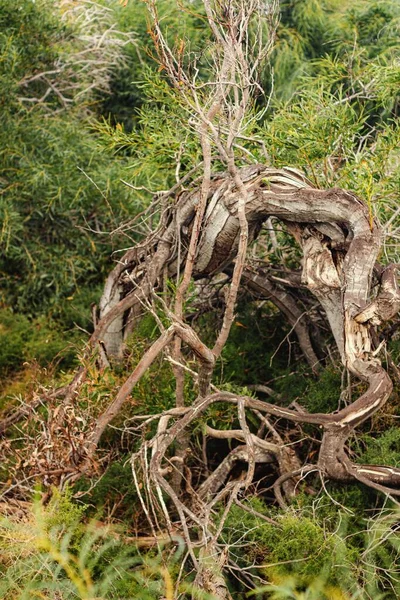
(295, 545)
(40, 558)
(61, 512)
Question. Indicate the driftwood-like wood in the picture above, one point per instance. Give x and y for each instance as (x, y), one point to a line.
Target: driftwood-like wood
(340, 244)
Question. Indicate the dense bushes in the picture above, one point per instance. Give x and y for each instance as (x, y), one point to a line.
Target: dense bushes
(23, 340)
(60, 190)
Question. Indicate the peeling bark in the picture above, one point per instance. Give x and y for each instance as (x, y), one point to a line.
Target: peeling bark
(340, 249)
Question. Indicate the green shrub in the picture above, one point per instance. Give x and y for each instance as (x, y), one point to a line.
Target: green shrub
(382, 449)
(318, 551)
(40, 558)
(39, 340)
(60, 190)
(296, 545)
(29, 33)
(298, 539)
(62, 512)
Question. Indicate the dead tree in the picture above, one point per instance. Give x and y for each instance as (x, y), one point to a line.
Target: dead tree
(205, 230)
(340, 247)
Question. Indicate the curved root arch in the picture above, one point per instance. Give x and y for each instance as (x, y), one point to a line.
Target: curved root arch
(340, 244)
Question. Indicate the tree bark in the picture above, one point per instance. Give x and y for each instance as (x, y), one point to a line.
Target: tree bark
(340, 247)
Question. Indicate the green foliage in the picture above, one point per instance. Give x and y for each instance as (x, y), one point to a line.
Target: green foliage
(125, 97)
(52, 229)
(315, 29)
(381, 555)
(376, 26)
(382, 449)
(40, 559)
(288, 588)
(334, 114)
(29, 34)
(339, 125)
(299, 539)
(55, 552)
(249, 355)
(306, 131)
(61, 193)
(114, 493)
(155, 391)
(160, 136)
(23, 340)
(61, 512)
(295, 545)
(60, 189)
(315, 551)
(321, 394)
(183, 24)
(341, 129)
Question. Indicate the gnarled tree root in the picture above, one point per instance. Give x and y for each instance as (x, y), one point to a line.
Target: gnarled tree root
(340, 246)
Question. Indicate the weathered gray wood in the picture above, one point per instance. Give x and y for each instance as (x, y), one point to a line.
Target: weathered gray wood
(340, 245)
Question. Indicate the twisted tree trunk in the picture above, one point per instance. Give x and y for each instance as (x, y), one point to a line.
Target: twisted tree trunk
(340, 243)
